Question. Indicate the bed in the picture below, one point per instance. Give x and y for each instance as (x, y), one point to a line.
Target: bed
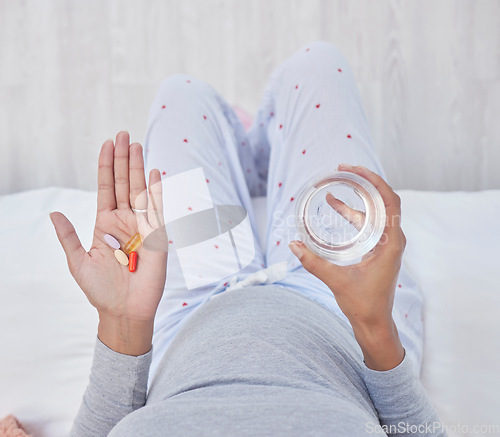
(48, 328)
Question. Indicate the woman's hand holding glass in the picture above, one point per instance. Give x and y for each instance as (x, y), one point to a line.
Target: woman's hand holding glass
(365, 291)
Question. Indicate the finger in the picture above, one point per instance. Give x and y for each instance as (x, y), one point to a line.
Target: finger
(155, 204)
(321, 268)
(353, 216)
(122, 186)
(392, 202)
(69, 241)
(138, 192)
(105, 179)
(158, 239)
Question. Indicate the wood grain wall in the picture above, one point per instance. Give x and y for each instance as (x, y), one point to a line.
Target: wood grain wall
(74, 72)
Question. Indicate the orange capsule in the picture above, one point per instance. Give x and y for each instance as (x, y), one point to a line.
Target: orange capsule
(133, 244)
(132, 262)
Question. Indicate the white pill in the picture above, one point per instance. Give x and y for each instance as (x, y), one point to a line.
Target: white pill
(112, 241)
(121, 257)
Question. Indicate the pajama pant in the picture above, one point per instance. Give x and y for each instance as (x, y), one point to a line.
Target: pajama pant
(310, 120)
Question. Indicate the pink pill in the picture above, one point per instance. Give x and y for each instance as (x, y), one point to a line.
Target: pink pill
(112, 241)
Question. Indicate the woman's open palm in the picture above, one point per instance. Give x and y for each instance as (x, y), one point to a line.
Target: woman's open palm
(108, 285)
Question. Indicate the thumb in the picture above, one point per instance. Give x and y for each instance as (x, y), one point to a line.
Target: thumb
(314, 264)
(69, 240)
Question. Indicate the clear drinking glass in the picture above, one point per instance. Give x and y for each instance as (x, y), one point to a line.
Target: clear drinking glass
(344, 236)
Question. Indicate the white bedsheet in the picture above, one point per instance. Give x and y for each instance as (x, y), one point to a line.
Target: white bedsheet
(47, 328)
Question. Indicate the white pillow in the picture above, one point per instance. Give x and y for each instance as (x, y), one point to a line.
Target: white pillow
(48, 327)
(452, 253)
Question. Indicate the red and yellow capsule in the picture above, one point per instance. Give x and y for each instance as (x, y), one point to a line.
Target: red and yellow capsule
(132, 261)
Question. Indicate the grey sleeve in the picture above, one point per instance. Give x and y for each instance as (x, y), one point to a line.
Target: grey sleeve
(402, 402)
(117, 386)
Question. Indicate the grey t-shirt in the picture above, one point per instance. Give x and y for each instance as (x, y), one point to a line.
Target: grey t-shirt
(257, 361)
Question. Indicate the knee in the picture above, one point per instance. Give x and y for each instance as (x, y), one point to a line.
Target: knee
(324, 55)
(185, 83)
(313, 58)
(320, 45)
(323, 51)
(176, 80)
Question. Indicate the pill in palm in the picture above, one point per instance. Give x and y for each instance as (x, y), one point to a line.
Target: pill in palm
(121, 257)
(111, 241)
(133, 244)
(132, 262)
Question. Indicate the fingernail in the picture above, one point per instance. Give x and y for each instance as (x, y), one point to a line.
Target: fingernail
(346, 166)
(330, 197)
(295, 249)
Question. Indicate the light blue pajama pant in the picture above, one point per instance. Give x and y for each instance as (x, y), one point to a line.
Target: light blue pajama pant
(310, 120)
